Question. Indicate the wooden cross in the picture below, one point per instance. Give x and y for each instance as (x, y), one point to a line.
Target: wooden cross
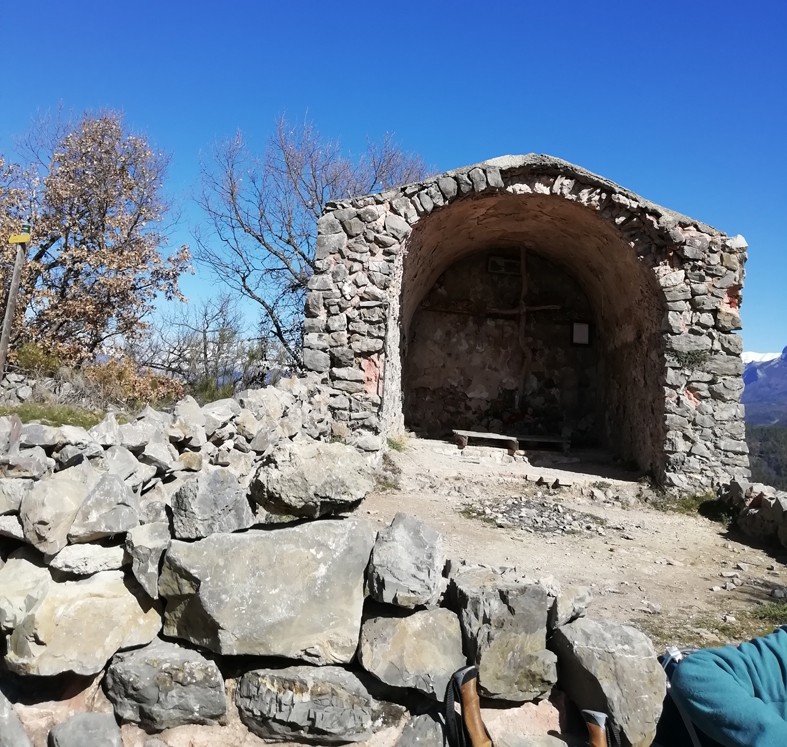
(521, 309)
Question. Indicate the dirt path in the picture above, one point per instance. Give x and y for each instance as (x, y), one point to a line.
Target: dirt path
(678, 577)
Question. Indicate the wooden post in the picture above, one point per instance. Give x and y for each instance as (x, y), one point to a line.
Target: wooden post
(10, 304)
(522, 333)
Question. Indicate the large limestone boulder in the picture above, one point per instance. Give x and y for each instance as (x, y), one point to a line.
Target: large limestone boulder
(110, 508)
(311, 480)
(322, 705)
(163, 685)
(612, 668)
(407, 563)
(11, 732)
(504, 621)
(48, 510)
(78, 625)
(294, 592)
(23, 581)
(420, 651)
(212, 501)
(85, 730)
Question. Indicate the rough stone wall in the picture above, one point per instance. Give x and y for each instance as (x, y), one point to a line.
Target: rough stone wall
(665, 290)
(463, 363)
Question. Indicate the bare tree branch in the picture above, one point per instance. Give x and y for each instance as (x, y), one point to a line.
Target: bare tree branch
(262, 214)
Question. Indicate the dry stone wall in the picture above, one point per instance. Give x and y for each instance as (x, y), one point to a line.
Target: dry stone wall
(666, 290)
(183, 579)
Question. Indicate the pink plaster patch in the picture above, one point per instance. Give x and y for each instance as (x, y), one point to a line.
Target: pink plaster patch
(372, 367)
(732, 300)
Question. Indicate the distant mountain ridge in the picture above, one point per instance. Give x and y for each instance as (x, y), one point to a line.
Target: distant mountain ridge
(765, 393)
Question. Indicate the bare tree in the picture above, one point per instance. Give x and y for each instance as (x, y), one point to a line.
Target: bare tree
(262, 213)
(206, 345)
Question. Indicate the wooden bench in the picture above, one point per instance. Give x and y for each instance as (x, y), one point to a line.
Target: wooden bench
(462, 437)
(565, 442)
(512, 443)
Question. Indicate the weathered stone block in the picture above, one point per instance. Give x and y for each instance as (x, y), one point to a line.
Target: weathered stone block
(612, 668)
(420, 651)
(162, 686)
(407, 564)
(224, 592)
(326, 705)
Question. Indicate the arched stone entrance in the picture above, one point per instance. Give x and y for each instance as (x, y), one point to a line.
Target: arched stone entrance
(608, 392)
(660, 291)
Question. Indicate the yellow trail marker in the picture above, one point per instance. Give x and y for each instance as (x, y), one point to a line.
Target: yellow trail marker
(19, 238)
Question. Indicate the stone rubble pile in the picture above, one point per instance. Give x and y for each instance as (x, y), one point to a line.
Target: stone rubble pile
(535, 516)
(16, 388)
(759, 511)
(200, 566)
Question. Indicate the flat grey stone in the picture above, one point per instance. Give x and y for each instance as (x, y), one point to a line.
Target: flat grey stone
(85, 560)
(137, 435)
(219, 413)
(48, 511)
(163, 685)
(12, 490)
(420, 651)
(225, 592)
(107, 432)
(118, 460)
(29, 463)
(321, 705)
(161, 455)
(189, 411)
(35, 434)
(423, 730)
(23, 581)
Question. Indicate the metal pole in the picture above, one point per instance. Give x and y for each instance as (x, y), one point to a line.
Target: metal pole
(10, 306)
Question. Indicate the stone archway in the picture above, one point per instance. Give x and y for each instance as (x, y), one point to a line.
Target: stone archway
(627, 307)
(663, 289)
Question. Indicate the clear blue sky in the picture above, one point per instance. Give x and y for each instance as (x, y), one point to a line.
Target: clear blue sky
(682, 102)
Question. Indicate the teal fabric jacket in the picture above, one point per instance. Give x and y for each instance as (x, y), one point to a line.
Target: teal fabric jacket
(737, 695)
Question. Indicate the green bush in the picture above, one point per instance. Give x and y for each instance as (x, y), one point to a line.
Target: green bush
(33, 359)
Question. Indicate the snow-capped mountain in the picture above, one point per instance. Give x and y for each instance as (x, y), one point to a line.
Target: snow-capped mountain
(765, 393)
